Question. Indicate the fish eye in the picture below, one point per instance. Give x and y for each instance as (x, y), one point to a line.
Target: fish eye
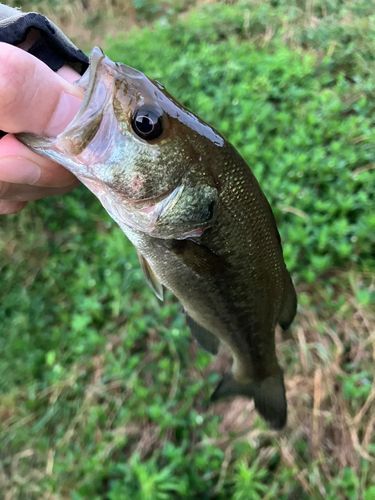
(147, 123)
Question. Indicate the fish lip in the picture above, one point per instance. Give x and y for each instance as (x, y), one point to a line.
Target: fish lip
(89, 76)
(88, 81)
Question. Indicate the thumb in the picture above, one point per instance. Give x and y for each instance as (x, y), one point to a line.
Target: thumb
(32, 97)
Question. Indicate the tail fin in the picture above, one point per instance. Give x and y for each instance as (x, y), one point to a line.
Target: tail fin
(268, 394)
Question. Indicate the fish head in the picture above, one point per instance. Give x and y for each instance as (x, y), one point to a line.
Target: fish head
(135, 147)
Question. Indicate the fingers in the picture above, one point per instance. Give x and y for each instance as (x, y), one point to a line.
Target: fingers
(26, 176)
(18, 164)
(32, 99)
(22, 192)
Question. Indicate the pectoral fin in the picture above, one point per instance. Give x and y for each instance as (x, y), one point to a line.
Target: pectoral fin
(198, 258)
(268, 394)
(151, 279)
(205, 339)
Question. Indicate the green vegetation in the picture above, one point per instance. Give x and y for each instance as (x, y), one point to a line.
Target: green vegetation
(103, 395)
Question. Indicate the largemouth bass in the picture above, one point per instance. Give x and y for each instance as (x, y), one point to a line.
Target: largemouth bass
(196, 215)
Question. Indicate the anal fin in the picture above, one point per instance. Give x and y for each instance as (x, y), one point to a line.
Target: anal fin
(151, 279)
(205, 339)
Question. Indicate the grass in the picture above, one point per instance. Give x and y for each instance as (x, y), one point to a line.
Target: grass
(99, 19)
(103, 393)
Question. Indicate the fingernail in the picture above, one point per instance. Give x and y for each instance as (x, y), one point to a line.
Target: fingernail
(64, 113)
(19, 170)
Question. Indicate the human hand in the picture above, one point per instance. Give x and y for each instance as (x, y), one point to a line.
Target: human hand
(32, 99)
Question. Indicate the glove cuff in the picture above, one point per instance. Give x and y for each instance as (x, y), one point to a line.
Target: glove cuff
(53, 47)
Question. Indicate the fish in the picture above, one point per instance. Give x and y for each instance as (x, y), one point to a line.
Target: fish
(196, 215)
